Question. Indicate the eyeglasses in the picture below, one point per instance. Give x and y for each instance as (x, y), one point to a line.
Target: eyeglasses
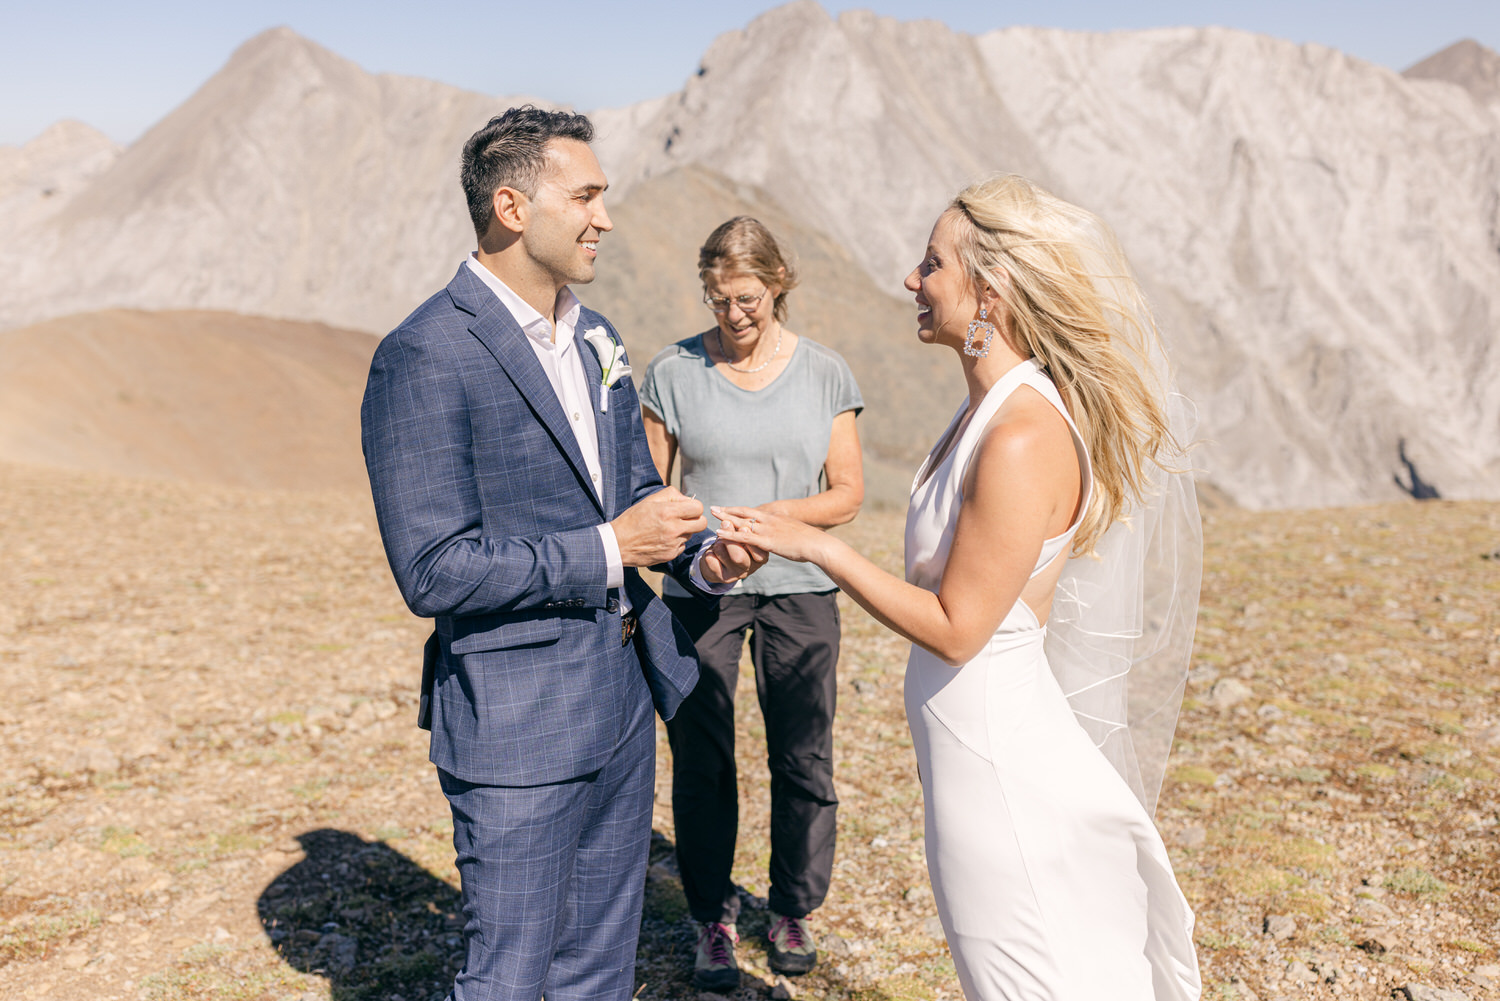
(721, 304)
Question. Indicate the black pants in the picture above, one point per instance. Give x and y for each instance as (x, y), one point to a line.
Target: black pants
(794, 644)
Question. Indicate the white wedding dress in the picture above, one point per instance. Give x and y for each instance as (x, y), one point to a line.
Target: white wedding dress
(1050, 877)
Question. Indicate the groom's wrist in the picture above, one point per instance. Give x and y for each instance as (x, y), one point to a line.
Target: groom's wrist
(614, 564)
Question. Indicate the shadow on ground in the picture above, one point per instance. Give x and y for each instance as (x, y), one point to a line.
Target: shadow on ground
(371, 921)
(379, 927)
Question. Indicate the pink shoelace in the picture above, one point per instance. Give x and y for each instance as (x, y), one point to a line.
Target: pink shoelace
(793, 931)
(718, 944)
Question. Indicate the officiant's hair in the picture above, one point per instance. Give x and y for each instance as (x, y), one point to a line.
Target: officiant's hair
(1072, 302)
(744, 246)
(511, 152)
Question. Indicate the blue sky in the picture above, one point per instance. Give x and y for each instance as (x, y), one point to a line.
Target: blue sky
(122, 66)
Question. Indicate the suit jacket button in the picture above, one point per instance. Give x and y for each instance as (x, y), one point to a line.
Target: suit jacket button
(612, 606)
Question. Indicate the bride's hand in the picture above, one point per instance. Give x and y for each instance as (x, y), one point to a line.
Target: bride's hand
(784, 536)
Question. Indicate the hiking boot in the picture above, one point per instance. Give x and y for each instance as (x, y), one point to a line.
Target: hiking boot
(714, 968)
(792, 947)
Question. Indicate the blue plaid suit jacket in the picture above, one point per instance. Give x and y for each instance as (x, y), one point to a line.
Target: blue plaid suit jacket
(490, 522)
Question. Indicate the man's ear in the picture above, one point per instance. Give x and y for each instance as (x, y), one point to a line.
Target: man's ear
(512, 209)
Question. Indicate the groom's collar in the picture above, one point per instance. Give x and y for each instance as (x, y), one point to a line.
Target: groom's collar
(535, 324)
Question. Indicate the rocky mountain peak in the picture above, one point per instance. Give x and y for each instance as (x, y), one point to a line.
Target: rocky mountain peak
(1466, 63)
(1317, 233)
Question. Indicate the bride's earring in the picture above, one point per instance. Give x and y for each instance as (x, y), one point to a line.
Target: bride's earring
(982, 329)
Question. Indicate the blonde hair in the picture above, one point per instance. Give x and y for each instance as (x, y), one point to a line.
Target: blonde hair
(1072, 302)
(744, 246)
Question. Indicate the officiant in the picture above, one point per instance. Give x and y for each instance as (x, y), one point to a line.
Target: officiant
(757, 415)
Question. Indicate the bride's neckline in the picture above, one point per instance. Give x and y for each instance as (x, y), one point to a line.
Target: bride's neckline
(947, 445)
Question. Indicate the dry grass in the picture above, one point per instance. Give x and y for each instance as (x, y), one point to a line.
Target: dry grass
(213, 788)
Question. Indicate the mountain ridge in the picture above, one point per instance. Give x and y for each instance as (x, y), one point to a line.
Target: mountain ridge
(1318, 234)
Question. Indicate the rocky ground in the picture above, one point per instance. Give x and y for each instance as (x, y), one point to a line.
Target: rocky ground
(212, 787)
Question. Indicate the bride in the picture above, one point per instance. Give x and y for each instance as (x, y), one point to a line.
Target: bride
(1039, 767)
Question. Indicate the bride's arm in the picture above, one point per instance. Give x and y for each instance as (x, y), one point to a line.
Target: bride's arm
(1012, 496)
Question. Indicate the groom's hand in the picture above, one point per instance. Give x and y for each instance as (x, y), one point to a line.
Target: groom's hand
(656, 529)
(728, 561)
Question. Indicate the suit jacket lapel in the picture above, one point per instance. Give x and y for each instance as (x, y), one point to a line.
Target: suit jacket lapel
(506, 341)
(604, 423)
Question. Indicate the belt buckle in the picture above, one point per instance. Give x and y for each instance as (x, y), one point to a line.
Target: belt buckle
(628, 625)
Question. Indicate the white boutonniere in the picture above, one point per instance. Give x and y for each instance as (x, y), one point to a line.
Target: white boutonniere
(611, 361)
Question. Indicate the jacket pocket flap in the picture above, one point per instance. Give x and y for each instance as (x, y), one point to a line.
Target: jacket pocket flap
(485, 634)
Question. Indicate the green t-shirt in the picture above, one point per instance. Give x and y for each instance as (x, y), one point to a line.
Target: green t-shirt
(739, 447)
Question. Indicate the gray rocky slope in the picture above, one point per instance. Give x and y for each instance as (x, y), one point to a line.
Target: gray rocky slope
(1321, 236)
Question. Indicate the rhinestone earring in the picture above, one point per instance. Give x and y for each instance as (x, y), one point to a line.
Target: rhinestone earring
(980, 328)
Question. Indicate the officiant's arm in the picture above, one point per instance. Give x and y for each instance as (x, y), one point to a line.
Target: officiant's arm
(843, 481)
(1014, 494)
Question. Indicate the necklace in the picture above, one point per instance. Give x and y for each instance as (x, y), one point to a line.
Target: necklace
(719, 338)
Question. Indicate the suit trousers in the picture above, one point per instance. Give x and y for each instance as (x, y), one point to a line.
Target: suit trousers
(794, 644)
(534, 860)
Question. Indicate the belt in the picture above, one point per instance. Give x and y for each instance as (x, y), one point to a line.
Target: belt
(628, 625)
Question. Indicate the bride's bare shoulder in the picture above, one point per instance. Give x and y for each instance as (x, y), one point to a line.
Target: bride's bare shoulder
(1027, 439)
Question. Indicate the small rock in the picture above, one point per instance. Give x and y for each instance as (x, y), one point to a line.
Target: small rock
(1373, 910)
(1489, 735)
(1421, 992)
(864, 686)
(933, 927)
(75, 959)
(1299, 972)
(1378, 942)
(782, 989)
(917, 895)
(1328, 968)
(306, 936)
(1192, 837)
(98, 759)
(1280, 926)
(833, 944)
(1270, 711)
(362, 716)
(342, 950)
(1240, 991)
(1480, 980)
(1491, 970)
(1228, 693)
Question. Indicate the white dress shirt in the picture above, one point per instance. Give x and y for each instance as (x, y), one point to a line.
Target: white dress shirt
(560, 359)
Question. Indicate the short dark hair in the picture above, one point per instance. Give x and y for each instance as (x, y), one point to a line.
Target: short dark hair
(511, 152)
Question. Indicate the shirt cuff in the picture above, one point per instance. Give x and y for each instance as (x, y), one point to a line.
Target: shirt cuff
(614, 573)
(696, 574)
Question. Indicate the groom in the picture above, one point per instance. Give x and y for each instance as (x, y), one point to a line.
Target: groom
(516, 498)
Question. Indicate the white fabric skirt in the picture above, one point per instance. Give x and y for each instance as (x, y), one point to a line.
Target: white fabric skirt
(1051, 880)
